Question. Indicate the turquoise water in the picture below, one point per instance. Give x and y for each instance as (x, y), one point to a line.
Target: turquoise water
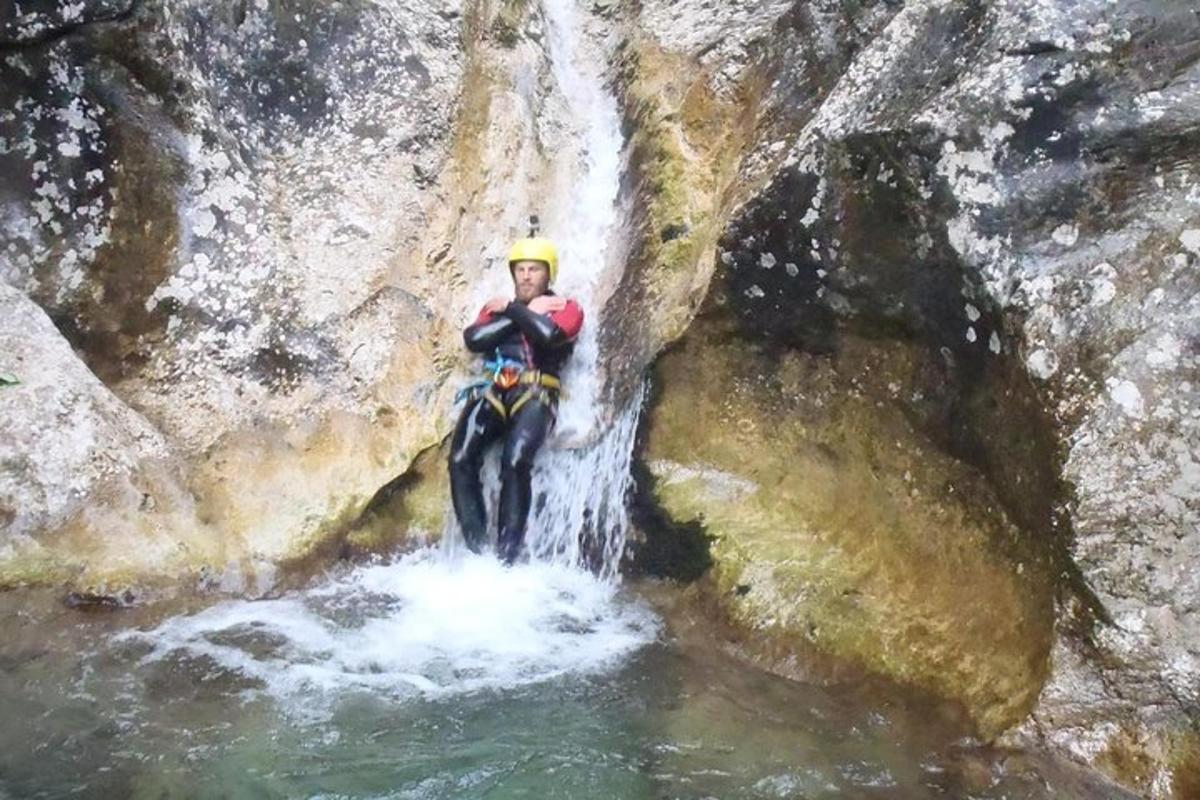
(588, 695)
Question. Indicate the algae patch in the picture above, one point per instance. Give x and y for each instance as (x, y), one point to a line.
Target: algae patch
(838, 527)
(412, 507)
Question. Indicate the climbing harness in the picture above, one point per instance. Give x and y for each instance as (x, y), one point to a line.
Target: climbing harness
(505, 373)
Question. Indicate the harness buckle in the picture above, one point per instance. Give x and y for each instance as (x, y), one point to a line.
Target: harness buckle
(507, 377)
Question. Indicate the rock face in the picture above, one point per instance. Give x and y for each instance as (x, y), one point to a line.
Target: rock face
(262, 228)
(839, 527)
(944, 255)
(227, 209)
(34, 22)
(108, 466)
(1009, 187)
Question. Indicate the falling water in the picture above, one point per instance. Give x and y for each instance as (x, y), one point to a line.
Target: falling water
(584, 225)
(582, 477)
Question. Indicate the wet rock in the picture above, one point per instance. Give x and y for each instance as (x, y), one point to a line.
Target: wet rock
(693, 78)
(1011, 184)
(33, 22)
(838, 527)
(90, 600)
(412, 506)
(216, 206)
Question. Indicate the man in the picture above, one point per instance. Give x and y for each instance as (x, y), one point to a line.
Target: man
(527, 339)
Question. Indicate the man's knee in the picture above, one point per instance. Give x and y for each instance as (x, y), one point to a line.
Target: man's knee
(462, 464)
(518, 455)
(517, 460)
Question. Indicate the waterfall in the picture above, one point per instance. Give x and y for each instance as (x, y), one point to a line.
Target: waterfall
(585, 224)
(582, 476)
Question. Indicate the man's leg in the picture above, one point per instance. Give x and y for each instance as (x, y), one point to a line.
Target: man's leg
(527, 433)
(479, 425)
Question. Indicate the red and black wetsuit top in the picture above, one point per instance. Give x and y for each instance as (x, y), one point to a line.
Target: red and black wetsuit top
(539, 341)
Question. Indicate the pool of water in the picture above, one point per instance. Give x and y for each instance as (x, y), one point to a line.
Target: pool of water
(436, 678)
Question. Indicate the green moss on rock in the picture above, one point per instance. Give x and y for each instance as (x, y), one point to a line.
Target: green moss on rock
(35, 568)
(1185, 767)
(510, 16)
(838, 527)
(684, 154)
(410, 508)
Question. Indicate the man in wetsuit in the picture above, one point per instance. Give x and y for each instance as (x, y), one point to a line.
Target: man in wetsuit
(525, 341)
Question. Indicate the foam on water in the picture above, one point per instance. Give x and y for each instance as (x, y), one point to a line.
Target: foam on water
(428, 625)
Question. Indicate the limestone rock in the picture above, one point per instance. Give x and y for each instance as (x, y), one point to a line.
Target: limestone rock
(39, 20)
(840, 528)
(1012, 184)
(226, 208)
(89, 489)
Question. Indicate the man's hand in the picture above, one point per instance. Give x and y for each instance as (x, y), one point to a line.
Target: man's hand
(496, 305)
(547, 304)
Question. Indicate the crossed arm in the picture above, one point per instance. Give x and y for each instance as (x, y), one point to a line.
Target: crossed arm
(540, 329)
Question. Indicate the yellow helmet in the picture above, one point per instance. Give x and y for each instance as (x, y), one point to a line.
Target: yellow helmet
(535, 249)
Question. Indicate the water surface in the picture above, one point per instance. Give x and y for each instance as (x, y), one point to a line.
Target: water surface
(438, 677)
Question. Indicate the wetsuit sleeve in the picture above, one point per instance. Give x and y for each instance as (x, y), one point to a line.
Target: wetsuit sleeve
(487, 332)
(570, 319)
(538, 328)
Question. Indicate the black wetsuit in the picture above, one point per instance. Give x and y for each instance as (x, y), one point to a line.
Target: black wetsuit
(523, 414)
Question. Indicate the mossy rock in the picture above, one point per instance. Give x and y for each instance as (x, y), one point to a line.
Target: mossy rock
(1162, 762)
(411, 508)
(839, 528)
(33, 566)
(684, 148)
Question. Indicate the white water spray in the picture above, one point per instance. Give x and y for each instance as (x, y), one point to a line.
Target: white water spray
(425, 626)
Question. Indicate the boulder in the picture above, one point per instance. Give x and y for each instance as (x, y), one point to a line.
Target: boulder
(90, 493)
(1009, 186)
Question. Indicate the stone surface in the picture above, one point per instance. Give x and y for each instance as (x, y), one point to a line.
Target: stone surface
(227, 210)
(75, 458)
(839, 527)
(1012, 184)
(31, 21)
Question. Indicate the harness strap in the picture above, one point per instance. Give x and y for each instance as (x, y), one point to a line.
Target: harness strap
(468, 391)
(496, 403)
(543, 398)
(521, 401)
(501, 363)
(540, 379)
(501, 369)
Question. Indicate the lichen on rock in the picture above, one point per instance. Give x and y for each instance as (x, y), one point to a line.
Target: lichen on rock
(1012, 184)
(220, 207)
